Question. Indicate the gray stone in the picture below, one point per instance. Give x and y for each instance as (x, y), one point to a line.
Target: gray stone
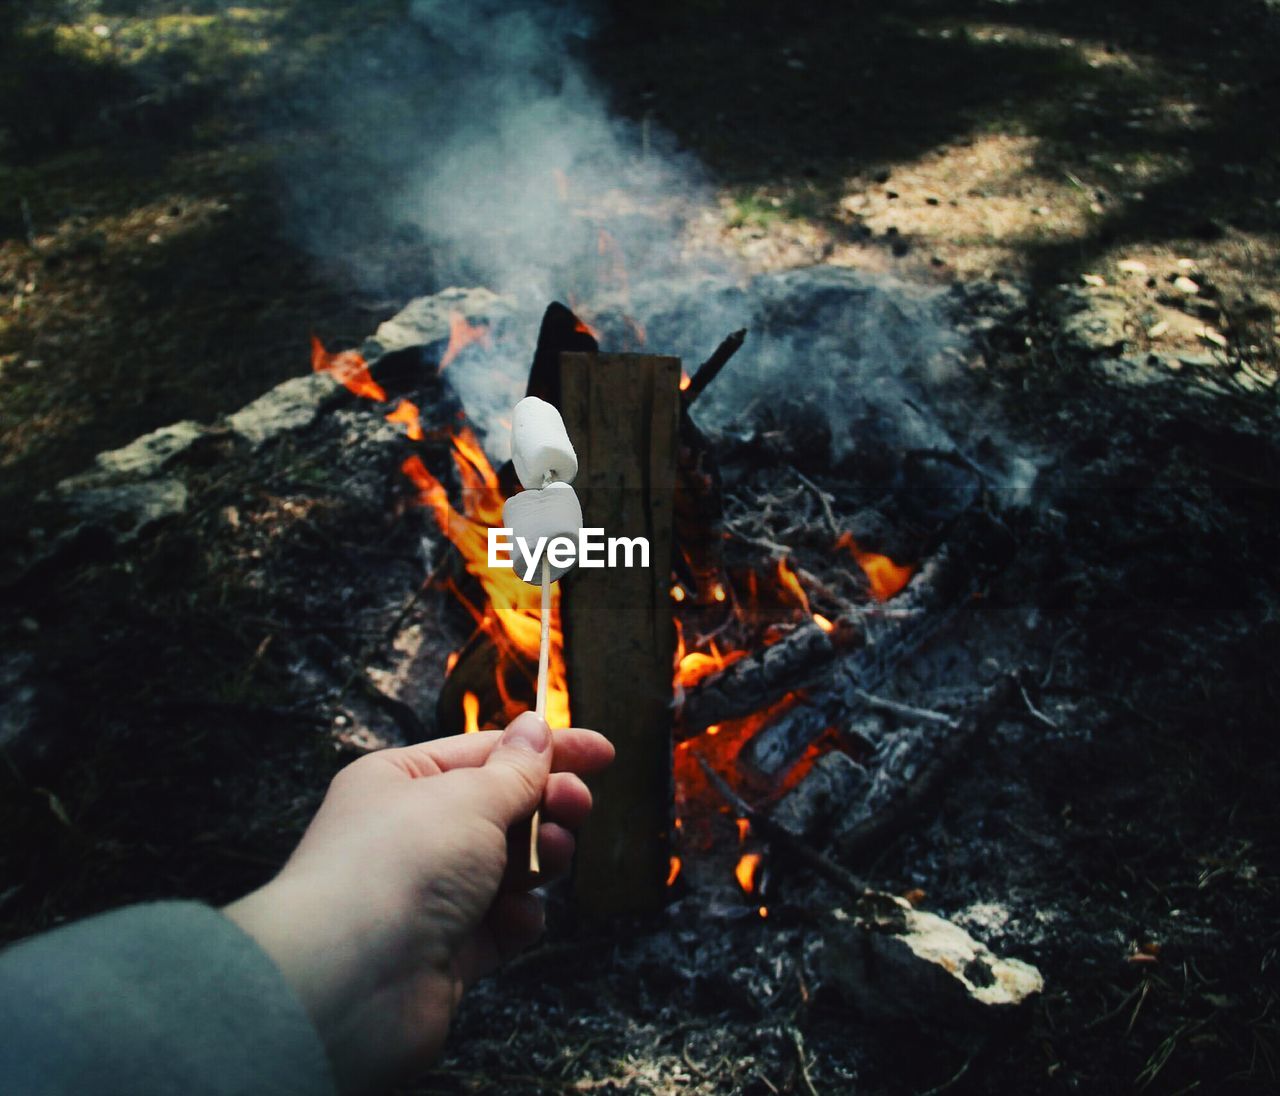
(895, 963)
(831, 789)
(127, 509)
(426, 320)
(290, 405)
(147, 455)
(1093, 320)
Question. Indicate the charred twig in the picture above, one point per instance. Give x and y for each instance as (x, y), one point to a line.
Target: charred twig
(767, 828)
(906, 711)
(928, 786)
(708, 370)
(1035, 712)
(823, 498)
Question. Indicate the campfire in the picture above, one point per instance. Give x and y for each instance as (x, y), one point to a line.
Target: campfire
(772, 647)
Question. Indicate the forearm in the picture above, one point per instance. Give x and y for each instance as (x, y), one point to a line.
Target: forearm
(157, 998)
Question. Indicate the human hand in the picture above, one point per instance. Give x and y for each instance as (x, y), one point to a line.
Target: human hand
(412, 881)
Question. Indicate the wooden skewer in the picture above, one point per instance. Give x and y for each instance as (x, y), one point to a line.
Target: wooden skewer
(540, 704)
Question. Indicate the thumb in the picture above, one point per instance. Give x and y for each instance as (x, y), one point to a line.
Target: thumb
(516, 771)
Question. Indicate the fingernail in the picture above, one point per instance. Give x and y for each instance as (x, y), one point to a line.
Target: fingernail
(528, 731)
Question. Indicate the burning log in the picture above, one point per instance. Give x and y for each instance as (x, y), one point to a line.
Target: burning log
(753, 682)
(622, 412)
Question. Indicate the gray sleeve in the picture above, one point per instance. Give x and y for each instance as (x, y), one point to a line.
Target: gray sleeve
(164, 998)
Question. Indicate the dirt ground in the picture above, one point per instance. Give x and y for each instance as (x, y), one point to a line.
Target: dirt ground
(147, 274)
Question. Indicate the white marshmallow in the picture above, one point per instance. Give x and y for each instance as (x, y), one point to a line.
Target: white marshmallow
(551, 512)
(540, 445)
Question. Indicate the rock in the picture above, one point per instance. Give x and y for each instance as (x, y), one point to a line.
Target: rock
(1157, 329)
(1183, 284)
(290, 405)
(127, 509)
(832, 787)
(1214, 338)
(1132, 266)
(426, 320)
(147, 455)
(894, 963)
(1093, 320)
(1095, 280)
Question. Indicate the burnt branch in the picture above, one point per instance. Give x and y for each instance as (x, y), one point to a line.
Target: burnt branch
(767, 828)
(710, 369)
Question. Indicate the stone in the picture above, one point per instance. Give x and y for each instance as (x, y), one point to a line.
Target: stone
(426, 320)
(894, 963)
(1183, 284)
(149, 454)
(127, 509)
(1093, 320)
(290, 405)
(831, 789)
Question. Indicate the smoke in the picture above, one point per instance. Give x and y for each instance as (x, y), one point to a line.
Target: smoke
(474, 134)
(473, 137)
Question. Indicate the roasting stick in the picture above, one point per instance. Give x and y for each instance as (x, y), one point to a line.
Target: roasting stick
(546, 510)
(540, 704)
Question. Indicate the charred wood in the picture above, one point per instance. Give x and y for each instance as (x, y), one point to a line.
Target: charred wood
(710, 369)
(930, 781)
(753, 682)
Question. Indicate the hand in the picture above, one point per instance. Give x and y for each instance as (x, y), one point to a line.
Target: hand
(411, 882)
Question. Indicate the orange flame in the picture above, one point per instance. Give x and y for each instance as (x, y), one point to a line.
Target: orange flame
(744, 828)
(790, 583)
(348, 368)
(407, 413)
(685, 380)
(885, 576)
(693, 666)
(673, 873)
(461, 335)
(745, 871)
(512, 614)
(470, 712)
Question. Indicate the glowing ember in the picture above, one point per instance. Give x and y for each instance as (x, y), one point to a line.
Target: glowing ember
(744, 828)
(763, 911)
(885, 576)
(673, 872)
(718, 592)
(748, 865)
(713, 729)
(407, 413)
(470, 713)
(462, 335)
(450, 662)
(677, 593)
(348, 368)
(685, 380)
(823, 623)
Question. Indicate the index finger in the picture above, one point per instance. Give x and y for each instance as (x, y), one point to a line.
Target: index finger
(575, 750)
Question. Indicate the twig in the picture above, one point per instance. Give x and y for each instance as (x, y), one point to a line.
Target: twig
(797, 1040)
(925, 715)
(767, 828)
(823, 498)
(1036, 712)
(709, 369)
(951, 1082)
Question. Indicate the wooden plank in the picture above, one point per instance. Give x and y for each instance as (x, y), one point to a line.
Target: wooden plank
(622, 413)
